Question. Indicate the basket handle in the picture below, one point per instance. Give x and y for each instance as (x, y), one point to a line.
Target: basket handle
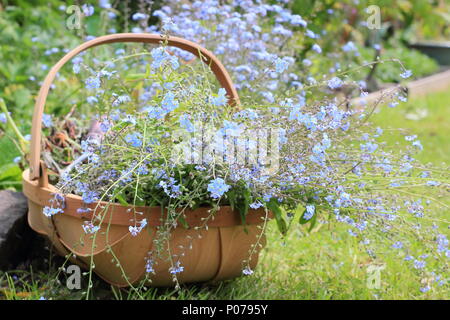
(206, 56)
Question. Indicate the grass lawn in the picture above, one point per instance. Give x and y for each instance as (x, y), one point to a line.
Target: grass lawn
(427, 117)
(327, 264)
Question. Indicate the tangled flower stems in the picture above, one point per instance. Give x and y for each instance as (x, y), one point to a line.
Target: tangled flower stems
(94, 234)
(169, 140)
(255, 247)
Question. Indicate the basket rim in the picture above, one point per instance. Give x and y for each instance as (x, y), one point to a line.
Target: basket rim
(118, 214)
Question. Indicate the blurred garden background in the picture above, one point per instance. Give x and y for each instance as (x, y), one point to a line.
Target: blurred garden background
(321, 263)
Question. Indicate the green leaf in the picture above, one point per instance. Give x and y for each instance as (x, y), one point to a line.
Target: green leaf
(232, 198)
(92, 24)
(273, 206)
(302, 217)
(10, 172)
(313, 222)
(10, 176)
(244, 204)
(183, 222)
(121, 199)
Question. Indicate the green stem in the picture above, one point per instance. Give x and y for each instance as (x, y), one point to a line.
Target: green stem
(22, 141)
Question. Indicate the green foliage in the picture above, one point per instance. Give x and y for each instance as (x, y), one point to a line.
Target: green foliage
(240, 198)
(8, 151)
(404, 20)
(312, 221)
(18, 26)
(273, 206)
(10, 176)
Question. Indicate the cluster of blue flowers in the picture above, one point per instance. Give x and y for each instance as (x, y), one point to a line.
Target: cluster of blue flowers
(217, 187)
(134, 139)
(170, 187)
